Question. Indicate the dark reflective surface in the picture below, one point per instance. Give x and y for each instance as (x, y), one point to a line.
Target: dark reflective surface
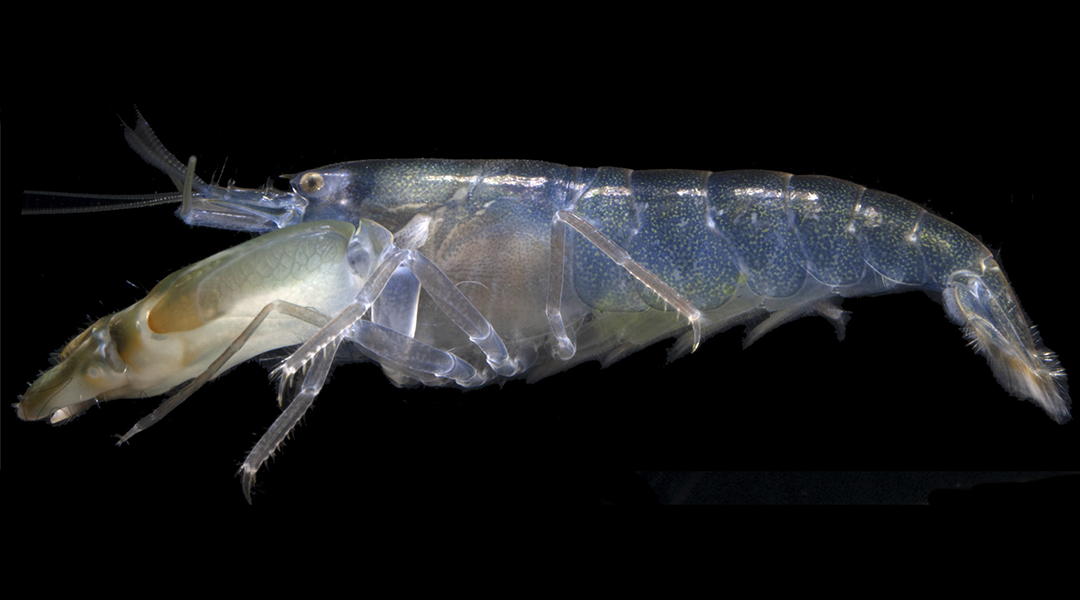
(861, 487)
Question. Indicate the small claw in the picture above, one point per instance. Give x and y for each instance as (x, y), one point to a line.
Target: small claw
(695, 322)
(247, 478)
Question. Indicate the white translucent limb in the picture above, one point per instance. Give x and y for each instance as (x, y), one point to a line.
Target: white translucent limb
(396, 307)
(439, 287)
(318, 367)
(304, 314)
(461, 311)
(414, 355)
(564, 345)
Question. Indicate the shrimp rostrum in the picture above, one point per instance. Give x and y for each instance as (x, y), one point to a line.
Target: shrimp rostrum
(471, 272)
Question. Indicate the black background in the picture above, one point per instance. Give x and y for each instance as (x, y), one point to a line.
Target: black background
(903, 392)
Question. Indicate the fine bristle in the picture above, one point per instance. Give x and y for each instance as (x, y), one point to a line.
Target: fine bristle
(1034, 375)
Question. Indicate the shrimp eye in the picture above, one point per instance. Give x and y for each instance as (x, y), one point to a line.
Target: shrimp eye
(311, 182)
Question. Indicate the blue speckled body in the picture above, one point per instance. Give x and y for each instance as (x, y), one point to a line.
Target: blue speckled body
(736, 244)
(707, 231)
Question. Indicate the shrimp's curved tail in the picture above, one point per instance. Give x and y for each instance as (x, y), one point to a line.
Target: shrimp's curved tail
(991, 316)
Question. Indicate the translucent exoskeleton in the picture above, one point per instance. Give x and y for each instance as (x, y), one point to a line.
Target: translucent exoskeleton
(541, 318)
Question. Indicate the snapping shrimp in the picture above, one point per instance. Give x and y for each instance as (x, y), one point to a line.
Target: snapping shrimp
(472, 272)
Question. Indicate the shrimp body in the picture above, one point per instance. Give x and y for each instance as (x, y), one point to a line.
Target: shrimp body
(472, 272)
(731, 246)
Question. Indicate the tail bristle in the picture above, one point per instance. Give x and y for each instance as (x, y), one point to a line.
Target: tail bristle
(987, 307)
(1029, 372)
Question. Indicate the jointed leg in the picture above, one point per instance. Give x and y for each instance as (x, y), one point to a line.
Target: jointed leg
(564, 344)
(304, 314)
(446, 296)
(319, 366)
